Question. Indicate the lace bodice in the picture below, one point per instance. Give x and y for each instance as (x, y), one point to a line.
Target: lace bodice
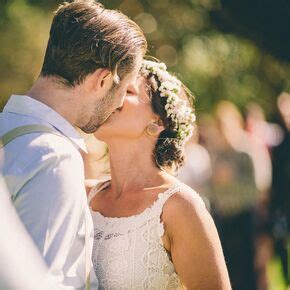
(128, 252)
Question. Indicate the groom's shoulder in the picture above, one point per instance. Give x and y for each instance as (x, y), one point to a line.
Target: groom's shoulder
(40, 143)
(41, 148)
(44, 143)
(54, 148)
(53, 143)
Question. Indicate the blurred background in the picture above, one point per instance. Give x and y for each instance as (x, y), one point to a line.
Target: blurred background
(235, 57)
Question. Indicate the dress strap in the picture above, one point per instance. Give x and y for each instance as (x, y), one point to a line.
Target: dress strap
(97, 188)
(164, 196)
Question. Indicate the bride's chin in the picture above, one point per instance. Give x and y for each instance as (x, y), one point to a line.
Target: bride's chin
(104, 132)
(100, 134)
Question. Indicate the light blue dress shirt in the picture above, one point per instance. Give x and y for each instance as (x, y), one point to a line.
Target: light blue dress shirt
(21, 266)
(44, 174)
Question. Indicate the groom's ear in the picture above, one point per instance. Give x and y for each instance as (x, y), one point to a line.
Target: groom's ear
(101, 79)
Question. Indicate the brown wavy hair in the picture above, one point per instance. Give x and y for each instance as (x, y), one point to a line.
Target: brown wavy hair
(85, 36)
(168, 154)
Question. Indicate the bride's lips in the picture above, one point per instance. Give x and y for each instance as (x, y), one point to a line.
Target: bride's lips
(114, 112)
(117, 110)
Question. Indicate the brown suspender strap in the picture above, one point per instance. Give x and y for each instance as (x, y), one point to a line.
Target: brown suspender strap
(23, 130)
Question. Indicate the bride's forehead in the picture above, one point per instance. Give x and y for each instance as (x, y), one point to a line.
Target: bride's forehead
(142, 89)
(142, 84)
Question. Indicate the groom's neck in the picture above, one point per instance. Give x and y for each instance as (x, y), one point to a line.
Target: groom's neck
(52, 93)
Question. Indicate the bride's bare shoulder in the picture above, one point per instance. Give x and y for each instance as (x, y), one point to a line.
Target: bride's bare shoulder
(183, 205)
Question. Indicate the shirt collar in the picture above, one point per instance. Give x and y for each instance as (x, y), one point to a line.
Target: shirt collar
(25, 105)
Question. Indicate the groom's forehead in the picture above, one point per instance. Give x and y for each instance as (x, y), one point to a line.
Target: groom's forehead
(139, 60)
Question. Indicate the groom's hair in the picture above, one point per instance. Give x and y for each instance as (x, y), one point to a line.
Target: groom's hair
(85, 36)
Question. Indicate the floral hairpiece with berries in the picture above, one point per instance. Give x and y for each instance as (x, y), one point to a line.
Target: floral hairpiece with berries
(176, 108)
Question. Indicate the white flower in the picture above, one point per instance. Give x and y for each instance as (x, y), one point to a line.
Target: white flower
(181, 115)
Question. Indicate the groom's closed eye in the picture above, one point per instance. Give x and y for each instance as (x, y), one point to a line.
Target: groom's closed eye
(131, 91)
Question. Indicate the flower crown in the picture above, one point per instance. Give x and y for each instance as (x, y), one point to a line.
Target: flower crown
(176, 108)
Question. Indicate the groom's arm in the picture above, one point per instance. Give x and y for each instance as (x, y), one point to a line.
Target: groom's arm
(52, 205)
(18, 253)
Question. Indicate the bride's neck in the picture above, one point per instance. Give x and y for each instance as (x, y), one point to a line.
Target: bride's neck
(133, 167)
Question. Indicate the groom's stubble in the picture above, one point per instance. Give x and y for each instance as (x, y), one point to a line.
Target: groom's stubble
(102, 111)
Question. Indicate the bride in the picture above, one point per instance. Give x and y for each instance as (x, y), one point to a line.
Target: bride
(151, 230)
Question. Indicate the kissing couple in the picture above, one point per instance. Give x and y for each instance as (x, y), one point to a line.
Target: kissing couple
(142, 228)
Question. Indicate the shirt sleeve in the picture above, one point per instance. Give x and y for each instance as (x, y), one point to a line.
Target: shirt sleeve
(18, 253)
(52, 205)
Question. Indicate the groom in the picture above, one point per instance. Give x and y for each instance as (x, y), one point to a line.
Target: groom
(92, 55)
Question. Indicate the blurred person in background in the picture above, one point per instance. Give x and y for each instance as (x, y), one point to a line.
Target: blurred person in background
(241, 177)
(196, 171)
(279, 204)
(268, 134)
(92, 56)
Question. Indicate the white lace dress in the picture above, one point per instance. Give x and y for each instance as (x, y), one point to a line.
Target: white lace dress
(128, 252)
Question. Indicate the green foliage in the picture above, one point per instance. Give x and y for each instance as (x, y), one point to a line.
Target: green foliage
(274, 272)
(213, 64)
(23, 37)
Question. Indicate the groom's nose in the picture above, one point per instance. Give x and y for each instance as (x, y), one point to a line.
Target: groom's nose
(121, 101)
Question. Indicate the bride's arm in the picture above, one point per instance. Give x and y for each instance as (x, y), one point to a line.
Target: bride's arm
(194, 243)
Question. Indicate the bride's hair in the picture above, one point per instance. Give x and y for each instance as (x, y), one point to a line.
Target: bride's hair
(168, 152)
